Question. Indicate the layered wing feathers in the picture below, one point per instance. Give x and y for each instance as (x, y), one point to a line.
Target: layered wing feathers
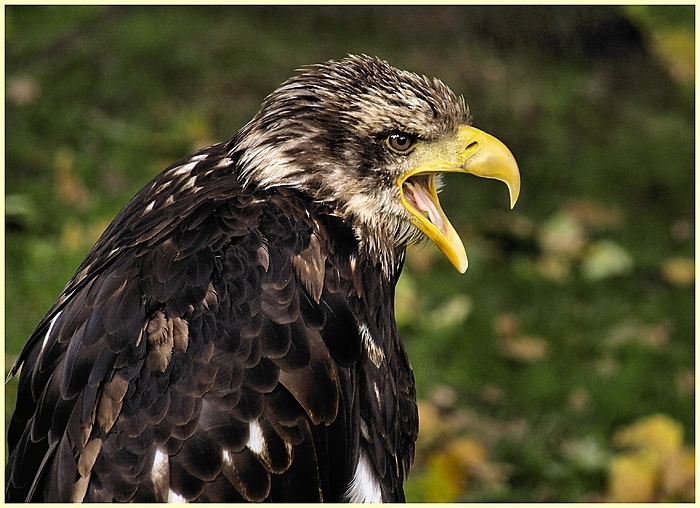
(196, 352)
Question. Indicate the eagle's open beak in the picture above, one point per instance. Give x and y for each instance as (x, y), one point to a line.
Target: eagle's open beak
(472, 151)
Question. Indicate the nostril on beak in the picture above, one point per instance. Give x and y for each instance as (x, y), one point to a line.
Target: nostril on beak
(471, 146)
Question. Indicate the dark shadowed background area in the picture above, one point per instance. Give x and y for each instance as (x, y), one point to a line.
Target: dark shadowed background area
(560, 367)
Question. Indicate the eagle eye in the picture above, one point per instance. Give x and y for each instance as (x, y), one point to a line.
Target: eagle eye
(400, 142)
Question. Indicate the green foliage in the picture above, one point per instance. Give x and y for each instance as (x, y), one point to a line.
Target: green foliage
(576, 316)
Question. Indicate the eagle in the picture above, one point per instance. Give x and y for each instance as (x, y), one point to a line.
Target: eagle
(231, 335)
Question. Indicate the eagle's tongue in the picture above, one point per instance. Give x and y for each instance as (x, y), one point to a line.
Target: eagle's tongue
(418, 198)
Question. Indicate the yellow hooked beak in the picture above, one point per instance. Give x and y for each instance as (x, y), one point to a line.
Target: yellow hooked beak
(471, 151)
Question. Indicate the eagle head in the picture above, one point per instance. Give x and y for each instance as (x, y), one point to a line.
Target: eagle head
(368, 142)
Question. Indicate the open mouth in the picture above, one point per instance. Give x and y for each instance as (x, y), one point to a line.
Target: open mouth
(419, 196)
(420, 193)
(469, 151)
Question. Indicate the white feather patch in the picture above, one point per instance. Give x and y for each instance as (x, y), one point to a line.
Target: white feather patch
(256, 441)
(376, 393)
(190, 183)
(374, 352)
(160, 466)
(149, 207)
(184, 170)
(48, 332)
(174, 497)
(160, 476)
(364, 487)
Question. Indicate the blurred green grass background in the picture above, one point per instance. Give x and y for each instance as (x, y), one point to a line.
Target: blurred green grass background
(574, 325)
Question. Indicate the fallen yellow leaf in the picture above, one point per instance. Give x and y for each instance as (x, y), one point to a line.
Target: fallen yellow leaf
(524, 348)
(678, 477)
(659, 468)
(444, 479)
(468, 451)
(605, 259)
(658, 433)
(562, 235)
(679, 271)
(430, 423)
(633, 478)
